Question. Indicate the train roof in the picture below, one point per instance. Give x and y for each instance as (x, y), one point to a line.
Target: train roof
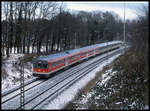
(62, 54)
(87, 47)
(73, 51)
(52, 56)
(108, 43)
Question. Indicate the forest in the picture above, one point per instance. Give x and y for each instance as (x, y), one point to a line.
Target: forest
(29, 26)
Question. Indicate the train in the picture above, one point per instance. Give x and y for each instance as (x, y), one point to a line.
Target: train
(46, 65)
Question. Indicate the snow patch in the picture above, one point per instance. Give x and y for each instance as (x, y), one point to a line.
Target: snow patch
(11, 74)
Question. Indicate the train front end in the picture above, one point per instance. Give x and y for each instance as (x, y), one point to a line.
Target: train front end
(41, 68)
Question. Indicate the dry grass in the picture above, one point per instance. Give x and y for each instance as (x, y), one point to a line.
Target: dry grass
(131, 82)
(93, 81)
(88, 86)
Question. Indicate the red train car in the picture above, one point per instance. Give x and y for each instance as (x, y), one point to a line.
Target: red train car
(46, 65)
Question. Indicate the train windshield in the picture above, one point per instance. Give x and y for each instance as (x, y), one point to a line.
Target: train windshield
(45, 66)
(41, 64)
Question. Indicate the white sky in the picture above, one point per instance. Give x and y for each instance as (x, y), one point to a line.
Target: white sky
(117, 7)
(132, 8)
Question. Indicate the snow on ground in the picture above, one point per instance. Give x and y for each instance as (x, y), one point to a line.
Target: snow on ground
(60, 101)
(106, 76)
(10, 78)
(103, 81)
(10, 68)
(10, 71)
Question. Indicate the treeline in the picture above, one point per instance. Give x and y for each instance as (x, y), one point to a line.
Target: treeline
(138, 32)
(29, 26)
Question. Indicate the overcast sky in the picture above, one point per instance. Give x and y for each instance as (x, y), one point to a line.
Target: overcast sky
(118, 7)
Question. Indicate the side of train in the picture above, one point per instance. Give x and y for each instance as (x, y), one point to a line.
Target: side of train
(46, 65)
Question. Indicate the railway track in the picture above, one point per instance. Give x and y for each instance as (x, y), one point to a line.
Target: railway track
(39, 92)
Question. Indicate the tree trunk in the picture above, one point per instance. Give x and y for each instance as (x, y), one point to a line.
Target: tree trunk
(53, 42)
(47, 40)
(7, 40)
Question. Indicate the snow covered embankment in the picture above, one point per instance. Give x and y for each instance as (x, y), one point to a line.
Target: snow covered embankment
(66, 96)
(10, 71)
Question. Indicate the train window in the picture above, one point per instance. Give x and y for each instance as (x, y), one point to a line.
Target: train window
(90, 51)
(67, 52)
(100, 48)
(53, 64)
(39, 65)
(84, 53)
(45, 66)
(73, 57)
(58, 62)
(62, 61)
(34, 64)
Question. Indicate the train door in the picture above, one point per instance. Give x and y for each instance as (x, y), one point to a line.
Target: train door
(87, 56)
(66, 61)
(94, 52)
